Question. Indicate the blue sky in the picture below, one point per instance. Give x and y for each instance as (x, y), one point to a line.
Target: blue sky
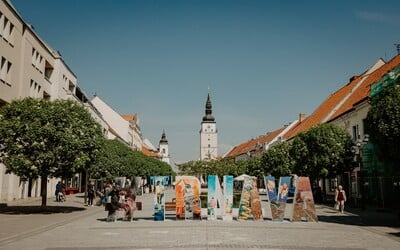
(265, 61)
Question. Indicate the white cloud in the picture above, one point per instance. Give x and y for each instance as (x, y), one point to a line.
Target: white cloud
(376, 17)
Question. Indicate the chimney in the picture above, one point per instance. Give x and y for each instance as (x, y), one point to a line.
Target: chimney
(398, 48)
(302, 116)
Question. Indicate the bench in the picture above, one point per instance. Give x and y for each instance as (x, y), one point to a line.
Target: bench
(71, 190)
(170, 205)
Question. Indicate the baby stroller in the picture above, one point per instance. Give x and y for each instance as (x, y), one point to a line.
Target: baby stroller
(61, 197)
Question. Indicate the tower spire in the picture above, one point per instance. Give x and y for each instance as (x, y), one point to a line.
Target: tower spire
(163, 138)
(208, 117)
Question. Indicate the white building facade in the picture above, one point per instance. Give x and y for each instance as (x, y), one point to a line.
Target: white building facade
(208, 134)
(163, 149)
(124, 129)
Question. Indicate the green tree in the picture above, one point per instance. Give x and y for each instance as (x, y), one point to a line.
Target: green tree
(40, 138)
(117, 159)
(194, 168)
(277, 160)
(110, 162)
(383, 126)
(219, 167)
(324, 150)
(254, 167)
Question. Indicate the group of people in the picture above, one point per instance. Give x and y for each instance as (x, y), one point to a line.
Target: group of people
(115, 198)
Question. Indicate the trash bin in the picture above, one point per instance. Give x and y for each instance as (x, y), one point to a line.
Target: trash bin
(139, 205)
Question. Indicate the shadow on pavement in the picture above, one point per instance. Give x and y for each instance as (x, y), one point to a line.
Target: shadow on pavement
(39, 210)
(134, 219)
(374, 220)
(395, 234)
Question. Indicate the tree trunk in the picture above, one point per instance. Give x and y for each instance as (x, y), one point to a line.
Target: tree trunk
(43, 191)
(324, 194)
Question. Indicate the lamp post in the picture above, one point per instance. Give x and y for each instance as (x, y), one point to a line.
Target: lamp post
(357, 149)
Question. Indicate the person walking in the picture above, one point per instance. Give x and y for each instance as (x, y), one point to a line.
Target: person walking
(58, 191)
(91, 194)
(159, 190)
(340, 198)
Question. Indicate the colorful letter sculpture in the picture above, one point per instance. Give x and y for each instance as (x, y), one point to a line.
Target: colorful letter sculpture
(187, 193)
(159, 183)
(228, 198)
(271, 195)
(250, 203)
(277, 201)
(219, 203)
(304, 207)
(213, 197)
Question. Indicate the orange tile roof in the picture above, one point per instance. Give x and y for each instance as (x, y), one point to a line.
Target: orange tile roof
(363, 92)
(252, 144)
(129, 117)
(337, 104)
(149, 152)
(323, 110)
(344, 99)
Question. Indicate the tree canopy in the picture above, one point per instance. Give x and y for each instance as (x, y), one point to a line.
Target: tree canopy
(324, 150)
(383, 126)
(214, 167)
(117, 159)
(277, 161)
(40, 138)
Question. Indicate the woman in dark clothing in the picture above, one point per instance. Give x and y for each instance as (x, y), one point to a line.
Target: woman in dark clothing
(91, 195)
(113, 205)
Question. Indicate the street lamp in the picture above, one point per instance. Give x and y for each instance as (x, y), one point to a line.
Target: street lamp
(357, 149)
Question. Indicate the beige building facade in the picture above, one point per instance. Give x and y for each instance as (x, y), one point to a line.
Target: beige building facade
(29, 67)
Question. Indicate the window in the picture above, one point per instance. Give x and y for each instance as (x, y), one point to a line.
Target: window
(71, 87)
(48, 70)
(37, 60)
(5, 71)
(33, 57)
(364, 127)
(356, 133)
(2, 17)
(6, 29)
(34, 89)
(46, 96)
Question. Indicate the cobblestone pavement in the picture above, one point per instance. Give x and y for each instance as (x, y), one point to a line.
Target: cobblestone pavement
(87, 229)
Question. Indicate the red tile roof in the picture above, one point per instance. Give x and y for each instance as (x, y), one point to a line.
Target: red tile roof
(149, 152)
(363, 91)
(129, 117)
(322, 111)
(252, 144)
(343, 100)
(337, 104)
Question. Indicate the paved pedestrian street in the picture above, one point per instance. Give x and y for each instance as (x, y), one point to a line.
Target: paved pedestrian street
(87, 229)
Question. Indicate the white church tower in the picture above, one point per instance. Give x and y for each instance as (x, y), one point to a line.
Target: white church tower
(208, 135)
(163, 148)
